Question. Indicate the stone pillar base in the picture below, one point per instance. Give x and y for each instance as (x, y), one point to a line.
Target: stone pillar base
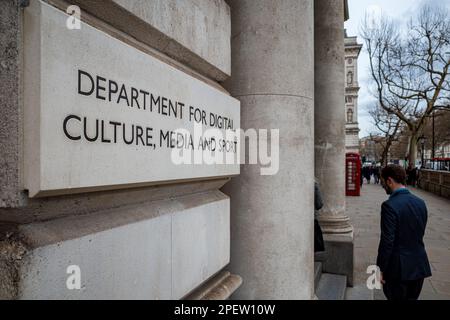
(220, 287)
(335, 224)
(339, 255)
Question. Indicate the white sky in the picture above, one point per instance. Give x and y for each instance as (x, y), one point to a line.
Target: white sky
(400, 10)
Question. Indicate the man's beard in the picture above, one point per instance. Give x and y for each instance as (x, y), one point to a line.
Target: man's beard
(387, 189)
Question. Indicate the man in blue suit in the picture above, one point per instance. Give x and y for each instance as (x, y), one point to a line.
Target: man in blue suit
(402, 258)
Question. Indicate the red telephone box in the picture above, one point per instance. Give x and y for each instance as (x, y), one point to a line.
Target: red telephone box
(352, 174)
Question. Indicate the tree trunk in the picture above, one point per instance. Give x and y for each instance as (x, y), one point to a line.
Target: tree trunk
(384, 155)
(412, 149)
(383, 159)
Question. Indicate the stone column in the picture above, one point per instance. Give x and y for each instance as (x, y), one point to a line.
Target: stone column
(272, 216)
(329, 114)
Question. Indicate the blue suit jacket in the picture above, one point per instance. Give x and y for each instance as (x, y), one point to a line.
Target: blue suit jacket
(401, 253)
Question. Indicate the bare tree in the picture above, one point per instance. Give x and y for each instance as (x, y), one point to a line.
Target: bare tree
(438, 127)
(410, 68)
(389, 125)
(400, 146)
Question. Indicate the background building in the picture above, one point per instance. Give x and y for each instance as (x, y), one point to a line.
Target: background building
(370, 149)
(352, 50)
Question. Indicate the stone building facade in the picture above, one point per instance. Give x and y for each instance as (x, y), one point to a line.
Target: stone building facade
(352, 51)
(83, 216)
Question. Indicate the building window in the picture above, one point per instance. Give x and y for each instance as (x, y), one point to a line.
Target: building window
(349, 116)
(350, 78)
(350, 61)
(348, 99)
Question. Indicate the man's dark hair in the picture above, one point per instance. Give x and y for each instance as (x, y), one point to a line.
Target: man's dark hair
(396, 172)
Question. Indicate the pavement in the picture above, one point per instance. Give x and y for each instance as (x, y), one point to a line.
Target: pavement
(364, 214)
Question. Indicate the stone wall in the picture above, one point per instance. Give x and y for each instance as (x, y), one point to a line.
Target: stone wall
(437, 182)
(158, 242)
(10, 99)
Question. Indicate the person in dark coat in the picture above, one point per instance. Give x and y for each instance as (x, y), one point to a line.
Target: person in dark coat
(413, 174)
(367, 174)
(376, 174)
(318, 204)
(402, 258)
(361, 176)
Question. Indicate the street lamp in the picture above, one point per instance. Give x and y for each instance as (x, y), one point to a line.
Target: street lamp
(422, 140)
(433, 147)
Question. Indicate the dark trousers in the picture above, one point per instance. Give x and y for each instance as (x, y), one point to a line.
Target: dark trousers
(402, 290)
(319, 244)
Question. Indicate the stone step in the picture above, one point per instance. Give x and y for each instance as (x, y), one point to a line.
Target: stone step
(317, 273)
(331, 287)
(320, 256)
(359, 292)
